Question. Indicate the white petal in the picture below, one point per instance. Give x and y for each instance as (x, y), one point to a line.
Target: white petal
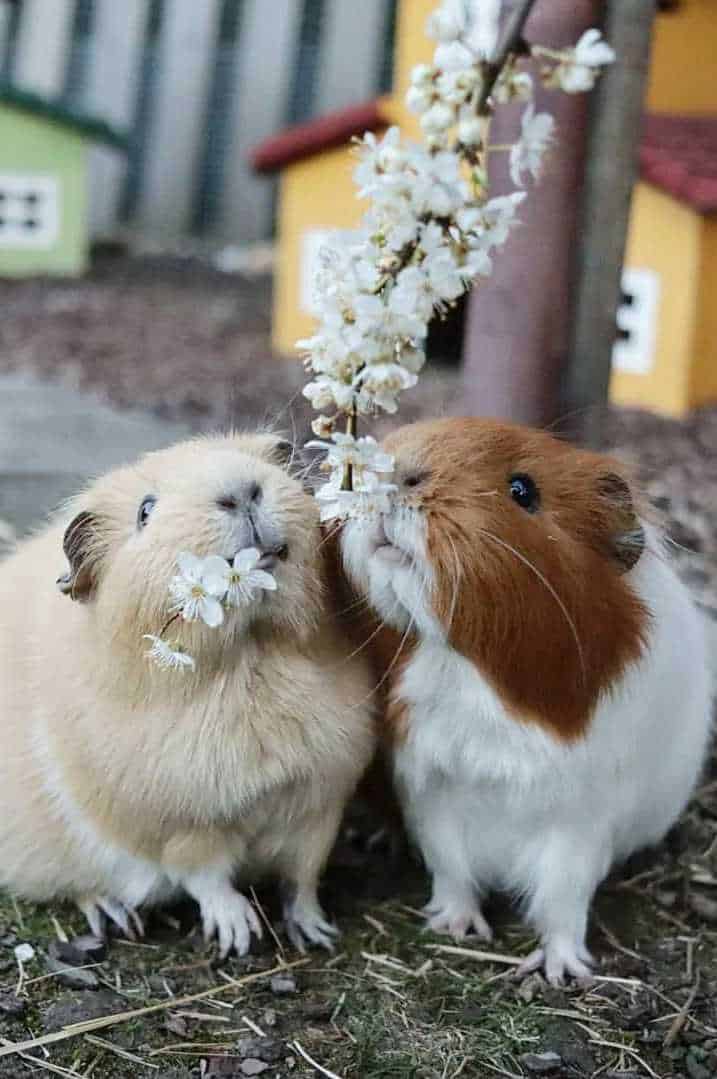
(189, 565)
(259, 578)
(211, 611)
(246, 559)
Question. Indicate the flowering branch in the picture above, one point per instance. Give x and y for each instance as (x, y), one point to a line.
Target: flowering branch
(430, 230)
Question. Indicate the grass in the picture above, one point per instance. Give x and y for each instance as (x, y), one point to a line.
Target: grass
(390, 1004)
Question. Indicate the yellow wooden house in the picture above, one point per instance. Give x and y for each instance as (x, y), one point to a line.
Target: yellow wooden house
(665, 356)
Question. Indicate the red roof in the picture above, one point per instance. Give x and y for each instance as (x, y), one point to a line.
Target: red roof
(679, 155)
(303, 140)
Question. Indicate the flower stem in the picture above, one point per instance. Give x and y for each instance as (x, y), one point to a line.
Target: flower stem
(510, 43)
(347, 483)
(168, 623)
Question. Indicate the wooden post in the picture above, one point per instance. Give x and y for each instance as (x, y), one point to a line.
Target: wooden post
(609, 178)
(517, 331)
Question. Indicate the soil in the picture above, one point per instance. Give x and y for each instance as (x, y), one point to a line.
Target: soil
(192, 343)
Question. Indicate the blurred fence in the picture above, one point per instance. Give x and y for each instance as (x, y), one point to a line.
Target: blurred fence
(197, 83)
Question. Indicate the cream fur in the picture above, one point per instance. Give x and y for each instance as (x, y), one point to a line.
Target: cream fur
(120, 782)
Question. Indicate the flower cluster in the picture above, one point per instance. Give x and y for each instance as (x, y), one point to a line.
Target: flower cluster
(203, 590)
(431, 229)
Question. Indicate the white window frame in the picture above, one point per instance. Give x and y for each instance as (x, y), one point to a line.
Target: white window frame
(17, 186)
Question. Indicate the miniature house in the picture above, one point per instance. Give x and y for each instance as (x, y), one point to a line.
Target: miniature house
(43, 184)
(665, 355)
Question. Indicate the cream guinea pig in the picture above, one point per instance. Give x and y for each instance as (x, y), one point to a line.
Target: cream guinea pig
(549, 701)
(122, 783)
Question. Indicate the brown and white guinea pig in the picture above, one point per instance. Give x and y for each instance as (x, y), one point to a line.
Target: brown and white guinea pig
(121, 783)
(550, 703)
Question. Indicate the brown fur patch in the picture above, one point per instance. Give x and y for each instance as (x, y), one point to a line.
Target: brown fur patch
(538, 601)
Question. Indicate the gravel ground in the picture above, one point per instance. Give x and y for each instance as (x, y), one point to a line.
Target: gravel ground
(192, 344)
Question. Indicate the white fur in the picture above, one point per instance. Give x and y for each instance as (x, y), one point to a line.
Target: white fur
(495, 803)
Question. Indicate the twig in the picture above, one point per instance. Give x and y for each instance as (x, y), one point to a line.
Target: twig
(253, 1026)
(510, 43)
(102, 1043)
(596, 1040)
(88, 1025)
(314, 1064)
(681, 1018)
(480, 957)
(56, 1069)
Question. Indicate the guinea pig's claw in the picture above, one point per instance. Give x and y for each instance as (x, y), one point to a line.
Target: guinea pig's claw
(98, 910)
(306, 925)
(231, 918)
(559, 961)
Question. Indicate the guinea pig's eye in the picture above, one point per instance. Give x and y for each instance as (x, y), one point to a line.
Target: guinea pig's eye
(524, 491)
(145, 508)
(413, 479)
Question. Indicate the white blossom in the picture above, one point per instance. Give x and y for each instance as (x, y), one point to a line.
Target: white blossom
(527, 154)
(243, 578)
(428, 231)
(163, 655)
(197, 589)
(363, 454)
(448, 22)
(578, 71)
(334, 502)
(24, 953)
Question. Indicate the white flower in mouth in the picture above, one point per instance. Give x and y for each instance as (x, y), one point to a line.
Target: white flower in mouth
(198, 588)
(448, 22)
(243, 578)
(580, 68)
(527, 154)
(166, 657)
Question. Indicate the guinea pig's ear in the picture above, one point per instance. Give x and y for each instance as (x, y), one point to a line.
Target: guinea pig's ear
(626, 534)
(79, 544)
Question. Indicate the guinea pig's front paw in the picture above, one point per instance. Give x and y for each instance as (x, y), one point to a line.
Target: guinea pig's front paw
(456, 918)
(99, 909)
(559, 958)
(228, 915)
(306, 924)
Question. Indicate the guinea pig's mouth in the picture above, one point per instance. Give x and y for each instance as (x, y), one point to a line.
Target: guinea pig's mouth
(270, 556)
(386, 549)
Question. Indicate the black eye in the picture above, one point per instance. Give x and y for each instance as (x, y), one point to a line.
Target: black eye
(414, 479)
(146, 506)
(524, 491)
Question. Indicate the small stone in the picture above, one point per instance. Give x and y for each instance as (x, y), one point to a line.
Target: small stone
(695, 1070)
(12, 1006)
(76, 1007)
(703, 906)
(94, 949)
(72, 977)
(531, 987)
(541, 1063)
(253, 1067)
(177, 1025)
(69, 953)
(267, 1049)
(269, 1018)
(282, 985)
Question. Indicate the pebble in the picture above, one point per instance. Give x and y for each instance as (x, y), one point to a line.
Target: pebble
(695, 1070)
(11, 1006)
(267, 1049)
(253, 1067)
(283, 985)
(78, 952)
(72, 977)
(703, 906)
(541, 1063)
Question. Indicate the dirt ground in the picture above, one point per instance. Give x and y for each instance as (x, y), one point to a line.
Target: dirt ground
(392, 1002)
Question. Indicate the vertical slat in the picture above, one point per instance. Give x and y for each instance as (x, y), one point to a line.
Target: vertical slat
(5, 18)
(111, 90)
(350, 53)
(186, 56)
(43, 45)
(266, 51)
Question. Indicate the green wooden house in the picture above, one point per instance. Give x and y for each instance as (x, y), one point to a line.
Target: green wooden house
(43, 183)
